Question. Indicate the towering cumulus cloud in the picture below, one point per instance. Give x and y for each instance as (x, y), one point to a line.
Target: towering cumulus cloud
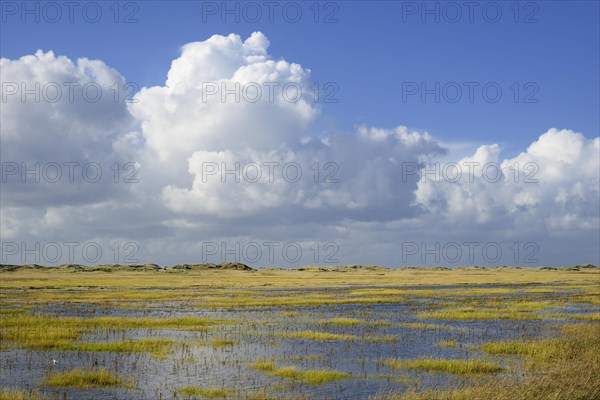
(552, 185)
(225, 94)
(227, 150)
(228, 106)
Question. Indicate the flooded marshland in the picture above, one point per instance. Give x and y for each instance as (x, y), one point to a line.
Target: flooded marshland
(284, 334)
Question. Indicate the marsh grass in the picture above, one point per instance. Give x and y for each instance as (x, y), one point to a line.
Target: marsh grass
(421, 325)
(158, 347)
(207, 393)
(264, 364)
(10, 311)
(293, 373)
(128, 280)
(17, 394)
(313, 315)
(39, 337)
(308, 357)
(447, 343)
(153, 323)
(459, 367)
(315, 335)
(35, 321)
(216, 342)
(538, 350)
(82, 378)
(515, 308)
(342, 321)
(216, 299)
(290, 300)
(328, 336)
(471, 313)
(581, 317)
(290, 314)
(567, 368)
(352, 322)
(439, 293)
(312, 377)
(45, 332)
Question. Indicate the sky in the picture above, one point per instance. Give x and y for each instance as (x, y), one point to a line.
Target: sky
(394, 133)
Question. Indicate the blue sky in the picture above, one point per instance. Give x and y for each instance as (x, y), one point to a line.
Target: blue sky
(543, 56)
(369, 53)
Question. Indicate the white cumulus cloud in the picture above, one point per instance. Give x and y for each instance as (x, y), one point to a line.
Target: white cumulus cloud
(230, 111)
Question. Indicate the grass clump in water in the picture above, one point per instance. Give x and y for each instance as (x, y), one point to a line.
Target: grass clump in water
(221, 342)
(308, 357)
(40, 337)
(82, 378)
(208, 393)
(316, 335)
(352, 322)
(421, 325)
(538, 350)
(311, 377)
(17, 394)
(458, 367)
(447, 343)
(158, 347)
(342, 321)
(262, 364)
(327, 336)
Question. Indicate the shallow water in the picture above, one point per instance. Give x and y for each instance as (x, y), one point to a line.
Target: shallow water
(257, 333)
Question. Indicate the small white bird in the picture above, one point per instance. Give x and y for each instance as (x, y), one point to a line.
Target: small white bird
(54, 362)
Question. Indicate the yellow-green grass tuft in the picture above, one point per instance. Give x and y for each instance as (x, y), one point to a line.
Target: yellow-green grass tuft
(421, 325)
(159, 347)
(207, 393)
(540, 350)
(342, 321)
(84, 378)
(447, 343)
(290, 372)
(263, 364)
(352, 322)
(40, 337)
(221, 342)
(312, 377)
(459, 367)
(18, 394)
(328, 336)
